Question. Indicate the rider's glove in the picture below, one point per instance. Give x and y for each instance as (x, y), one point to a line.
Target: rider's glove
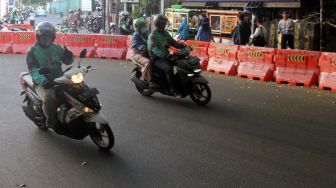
(47, 84)
(67, 55)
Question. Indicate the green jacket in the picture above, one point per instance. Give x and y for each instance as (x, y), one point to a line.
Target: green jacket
(158, 44)
(50, 57)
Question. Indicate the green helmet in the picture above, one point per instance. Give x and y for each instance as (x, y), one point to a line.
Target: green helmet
(138, 24)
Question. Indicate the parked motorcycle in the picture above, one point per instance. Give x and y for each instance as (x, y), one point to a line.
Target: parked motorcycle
(73, 25)
(79, 113)
(97, 24)
(187, 78)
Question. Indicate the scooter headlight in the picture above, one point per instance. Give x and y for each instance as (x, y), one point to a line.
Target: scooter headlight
(77, 78)
(197, 70)
(87, 110)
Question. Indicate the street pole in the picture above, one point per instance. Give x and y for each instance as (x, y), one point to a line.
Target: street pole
(162, 7)
(108, 13)
(102, 30)
(322, 42)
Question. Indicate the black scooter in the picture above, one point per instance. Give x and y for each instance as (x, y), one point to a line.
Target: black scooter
(188, 80)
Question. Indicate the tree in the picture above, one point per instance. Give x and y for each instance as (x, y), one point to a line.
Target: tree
(36, 2)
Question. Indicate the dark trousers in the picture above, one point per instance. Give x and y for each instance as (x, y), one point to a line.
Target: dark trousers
(167, 69)
(287, 39)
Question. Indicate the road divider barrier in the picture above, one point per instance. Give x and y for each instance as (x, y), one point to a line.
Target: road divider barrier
(60, 39)
(6, 45)
(256, 63)
(77, 42)
(111, 46)
(327, 78)
(223, 59)
(22, 41)
(297, 67)
(28, 27)
(200, 49)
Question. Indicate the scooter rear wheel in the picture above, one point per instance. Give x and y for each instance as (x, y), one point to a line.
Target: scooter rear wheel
(103, 136)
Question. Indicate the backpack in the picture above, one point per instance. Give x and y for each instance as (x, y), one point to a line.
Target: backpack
(260, 40)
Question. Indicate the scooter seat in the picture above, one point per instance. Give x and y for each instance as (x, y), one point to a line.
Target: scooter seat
(26, 77)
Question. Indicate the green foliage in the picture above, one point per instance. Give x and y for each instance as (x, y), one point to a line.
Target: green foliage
(36, 2)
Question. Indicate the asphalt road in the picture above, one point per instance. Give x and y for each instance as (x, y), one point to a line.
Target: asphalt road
(252, 134)
(54, 19)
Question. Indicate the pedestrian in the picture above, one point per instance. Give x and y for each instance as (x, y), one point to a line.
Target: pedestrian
(259, 38)
(242, 32)
(286, 28)
(183, 30)
(204, 32)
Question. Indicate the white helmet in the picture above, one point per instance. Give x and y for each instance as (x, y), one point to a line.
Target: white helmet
(123, 14)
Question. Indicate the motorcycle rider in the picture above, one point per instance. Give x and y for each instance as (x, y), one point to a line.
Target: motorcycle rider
(140, 51)
(124, 24)
(14, 18)
(158, 44)
(46, 54)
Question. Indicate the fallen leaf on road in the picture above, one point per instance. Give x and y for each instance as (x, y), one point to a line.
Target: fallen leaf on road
(228, 99)
(277, 96)
(84, 163)
(333, 102)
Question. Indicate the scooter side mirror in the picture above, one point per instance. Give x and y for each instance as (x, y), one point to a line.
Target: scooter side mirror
(83, 53)
(44, 71)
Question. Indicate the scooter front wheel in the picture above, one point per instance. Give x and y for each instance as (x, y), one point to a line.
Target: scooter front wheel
(102, 136)
(200, 93)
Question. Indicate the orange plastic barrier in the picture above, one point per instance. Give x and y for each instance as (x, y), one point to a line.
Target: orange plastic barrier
(6, 42)
(111, 46)
(256, 63)
(22, 41)
(297, 67)
(128, 45)
(200, 49)
(60, 39)
(328, 71)
(23, 26)
(223, 58)
(77, 42)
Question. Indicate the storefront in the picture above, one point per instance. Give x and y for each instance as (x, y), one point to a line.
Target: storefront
(243, 3)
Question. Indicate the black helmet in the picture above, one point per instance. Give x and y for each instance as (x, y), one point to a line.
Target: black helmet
(46, 30)
(160, 21)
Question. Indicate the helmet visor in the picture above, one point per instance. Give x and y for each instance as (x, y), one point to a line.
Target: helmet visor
(46, 39)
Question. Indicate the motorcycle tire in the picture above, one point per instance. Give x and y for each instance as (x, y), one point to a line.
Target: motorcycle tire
(197, 93)
(101, 132)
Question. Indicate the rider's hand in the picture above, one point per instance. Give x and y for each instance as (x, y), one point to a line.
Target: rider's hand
(67, 54)
(47, 84)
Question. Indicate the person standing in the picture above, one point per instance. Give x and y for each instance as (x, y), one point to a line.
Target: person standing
(259, 38)
(183, 30)
(286, 28)
(204, 32)
(244, 30)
